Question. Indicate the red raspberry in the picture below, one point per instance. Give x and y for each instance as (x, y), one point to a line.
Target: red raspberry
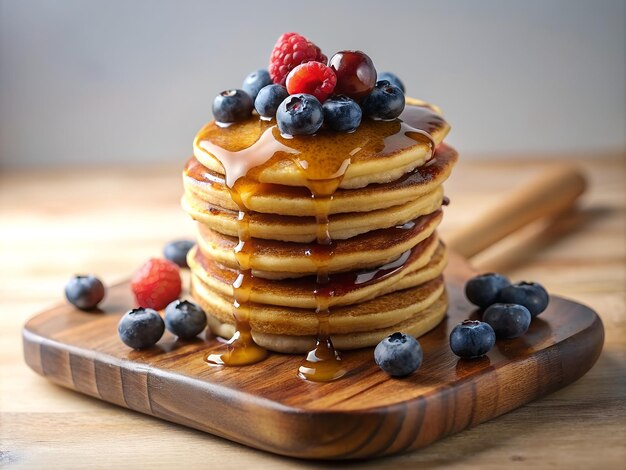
(156, 284)
(291, 50)
(313, 78)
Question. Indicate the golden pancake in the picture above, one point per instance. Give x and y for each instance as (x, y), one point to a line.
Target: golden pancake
(381, 312)
(318, 237)
(275, 260)
(304, 229)
(376, 152)
(417, 325)
(210, 187)
(423, 263)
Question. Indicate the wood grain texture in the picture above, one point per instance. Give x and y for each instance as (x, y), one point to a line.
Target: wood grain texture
(266, 406)
(56, 223)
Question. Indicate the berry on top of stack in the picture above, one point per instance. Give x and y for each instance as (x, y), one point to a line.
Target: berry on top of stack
(304, 93)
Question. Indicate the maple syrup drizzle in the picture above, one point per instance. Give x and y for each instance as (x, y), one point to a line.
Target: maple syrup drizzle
(342, 282)
(241, 349)
(245, 150)
(323, 362)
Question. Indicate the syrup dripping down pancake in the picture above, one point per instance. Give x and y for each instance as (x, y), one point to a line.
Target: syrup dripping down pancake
(415, 322)
(380, 312)
(304, 229)
(210, 187)
(423, 263)
(275, 260)
(377, 152)
(416, 325)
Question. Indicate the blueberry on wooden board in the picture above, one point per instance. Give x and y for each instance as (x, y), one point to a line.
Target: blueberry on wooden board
(531, 295)
(483, 290)
(84, 291)
(507, 320)
(398, 355)
(141, 328)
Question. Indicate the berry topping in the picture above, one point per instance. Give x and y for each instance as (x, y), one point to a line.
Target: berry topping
(300, 114)
(84, 292)
(386, 101)
(156, 283)
(472, 339)
(255, 81)
(232, 106)
(483, 290)
(141, 328)
(184, 319)
(356, 75)
(342, 113)
(398, 354)
(268, 100)
(531, 295)
(393, 79)
(507, 320)
(291, 50)
(313, 78)
(176, 251)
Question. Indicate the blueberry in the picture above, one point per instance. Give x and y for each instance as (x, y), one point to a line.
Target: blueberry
(141, 328)
(300, 114)
(393, 79)
(176, 251)
(342, 113)
(507, 320)
(399, 354)
(184, 319)
(483, 290)
(84, 292)
(386, 101)
(232, 106)
(268, 100)
(531, 295)
(472, 339)
(253, 83)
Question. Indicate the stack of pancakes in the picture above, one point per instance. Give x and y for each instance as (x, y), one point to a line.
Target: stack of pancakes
(385, 269)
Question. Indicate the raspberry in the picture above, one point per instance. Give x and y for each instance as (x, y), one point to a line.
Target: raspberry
(291, 50)
(313, 78)
(156, 284)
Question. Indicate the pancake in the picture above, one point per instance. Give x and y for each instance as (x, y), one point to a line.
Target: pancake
(325, 236)
(381, 312)
(423, 263)
(376, 152)
(210, 187)
(304, 229)
(416, 325)
(276, 260)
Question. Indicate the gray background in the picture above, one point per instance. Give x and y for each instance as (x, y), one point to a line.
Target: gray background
(125, 82)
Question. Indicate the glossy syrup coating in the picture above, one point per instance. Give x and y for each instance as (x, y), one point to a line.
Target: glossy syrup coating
(244, 150)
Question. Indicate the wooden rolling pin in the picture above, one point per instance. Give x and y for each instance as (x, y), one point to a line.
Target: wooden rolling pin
(549, 195)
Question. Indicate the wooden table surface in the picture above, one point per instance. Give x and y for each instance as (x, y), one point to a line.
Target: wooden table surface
(57, 223)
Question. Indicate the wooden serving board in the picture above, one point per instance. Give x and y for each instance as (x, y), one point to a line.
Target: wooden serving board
(266, 406)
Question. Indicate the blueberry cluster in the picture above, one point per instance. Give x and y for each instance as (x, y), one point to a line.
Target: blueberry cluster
(337, 96)
(142, 328)
(507, 312)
